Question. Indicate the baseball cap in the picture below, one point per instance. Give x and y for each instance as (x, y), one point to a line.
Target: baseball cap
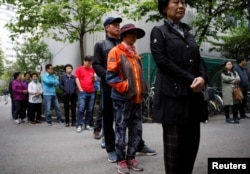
(111, 20)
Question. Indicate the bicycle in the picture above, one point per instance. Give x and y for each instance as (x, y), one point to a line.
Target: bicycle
(215, 102)
(147, 105)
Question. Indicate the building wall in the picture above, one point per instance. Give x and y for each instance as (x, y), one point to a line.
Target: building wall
(7, 12)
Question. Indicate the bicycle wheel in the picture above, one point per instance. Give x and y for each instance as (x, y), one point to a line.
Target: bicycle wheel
(219, 104)
(211, 108)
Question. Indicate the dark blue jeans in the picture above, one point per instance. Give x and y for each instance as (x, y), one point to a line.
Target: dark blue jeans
(85, 101)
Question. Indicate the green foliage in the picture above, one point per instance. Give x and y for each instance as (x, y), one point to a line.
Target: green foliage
(64, 20)
(58, 70)
(234, 45)
(212, 16)
(31, 54)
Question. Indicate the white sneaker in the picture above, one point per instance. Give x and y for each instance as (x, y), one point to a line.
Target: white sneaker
(17, 121)
(88, 127)
(79, 129)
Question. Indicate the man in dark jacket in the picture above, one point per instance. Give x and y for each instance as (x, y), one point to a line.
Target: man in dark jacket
(68, 86)
(244, 82)
(101, 50)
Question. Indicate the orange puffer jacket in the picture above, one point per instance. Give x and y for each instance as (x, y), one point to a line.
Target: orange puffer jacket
(125, 75)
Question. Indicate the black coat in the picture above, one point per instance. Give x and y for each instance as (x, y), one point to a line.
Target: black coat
(101, 51)
(178, 61)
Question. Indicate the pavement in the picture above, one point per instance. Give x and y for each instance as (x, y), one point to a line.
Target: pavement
(43, 149)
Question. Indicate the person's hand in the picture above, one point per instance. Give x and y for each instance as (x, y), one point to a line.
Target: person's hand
(197, 84)
(25, 91)
(236, 81)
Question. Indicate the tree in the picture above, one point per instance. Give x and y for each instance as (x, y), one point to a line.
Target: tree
(248, 9)
(234, 45)
(31, 54)
(64, 20)
(213, 16)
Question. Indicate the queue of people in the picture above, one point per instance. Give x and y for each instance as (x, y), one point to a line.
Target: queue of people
(178, 104)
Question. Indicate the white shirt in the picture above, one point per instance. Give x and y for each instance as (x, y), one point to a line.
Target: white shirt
(34, 87)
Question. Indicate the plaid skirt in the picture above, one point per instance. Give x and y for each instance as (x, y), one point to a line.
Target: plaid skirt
(181, 144)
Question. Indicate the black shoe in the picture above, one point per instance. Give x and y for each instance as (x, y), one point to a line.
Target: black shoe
(244, 117)
(97, 135)
(67, 125)
(236, 121)
(229, 120)
(146, 151)
(73, 124)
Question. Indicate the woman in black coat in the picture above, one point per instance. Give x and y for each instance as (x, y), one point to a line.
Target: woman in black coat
(179, 103)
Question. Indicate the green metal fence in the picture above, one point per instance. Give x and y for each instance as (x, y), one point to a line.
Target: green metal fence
(214, 68)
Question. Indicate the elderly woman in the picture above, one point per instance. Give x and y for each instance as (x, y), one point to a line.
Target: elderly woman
(124, 74)
(178, 103)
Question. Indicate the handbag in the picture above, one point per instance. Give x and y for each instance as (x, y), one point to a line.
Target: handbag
(237, 93)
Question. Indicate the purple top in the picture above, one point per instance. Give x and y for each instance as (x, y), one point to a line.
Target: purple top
(17, 88)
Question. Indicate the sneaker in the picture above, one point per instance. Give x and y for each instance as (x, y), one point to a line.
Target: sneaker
(146, 151)
(49, 124)
(97, 135)
(60, 122)
(134, 165)
(17, 121)
(112, 157)
(88, 127)
(122, 167)
(236, 121)
(103, 144)
(67, 125)
(229, 120)
(79, 129)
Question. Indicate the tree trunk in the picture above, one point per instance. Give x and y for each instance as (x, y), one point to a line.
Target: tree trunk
(81, 50)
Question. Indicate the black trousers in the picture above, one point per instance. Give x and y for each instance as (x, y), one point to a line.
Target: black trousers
(181, 144)
(69, 102)
(242, 104)
(27, 110)
(20, 106)
(35, 111)
(98, 120)
(13, 108)
(108, 119)
(235, 111)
